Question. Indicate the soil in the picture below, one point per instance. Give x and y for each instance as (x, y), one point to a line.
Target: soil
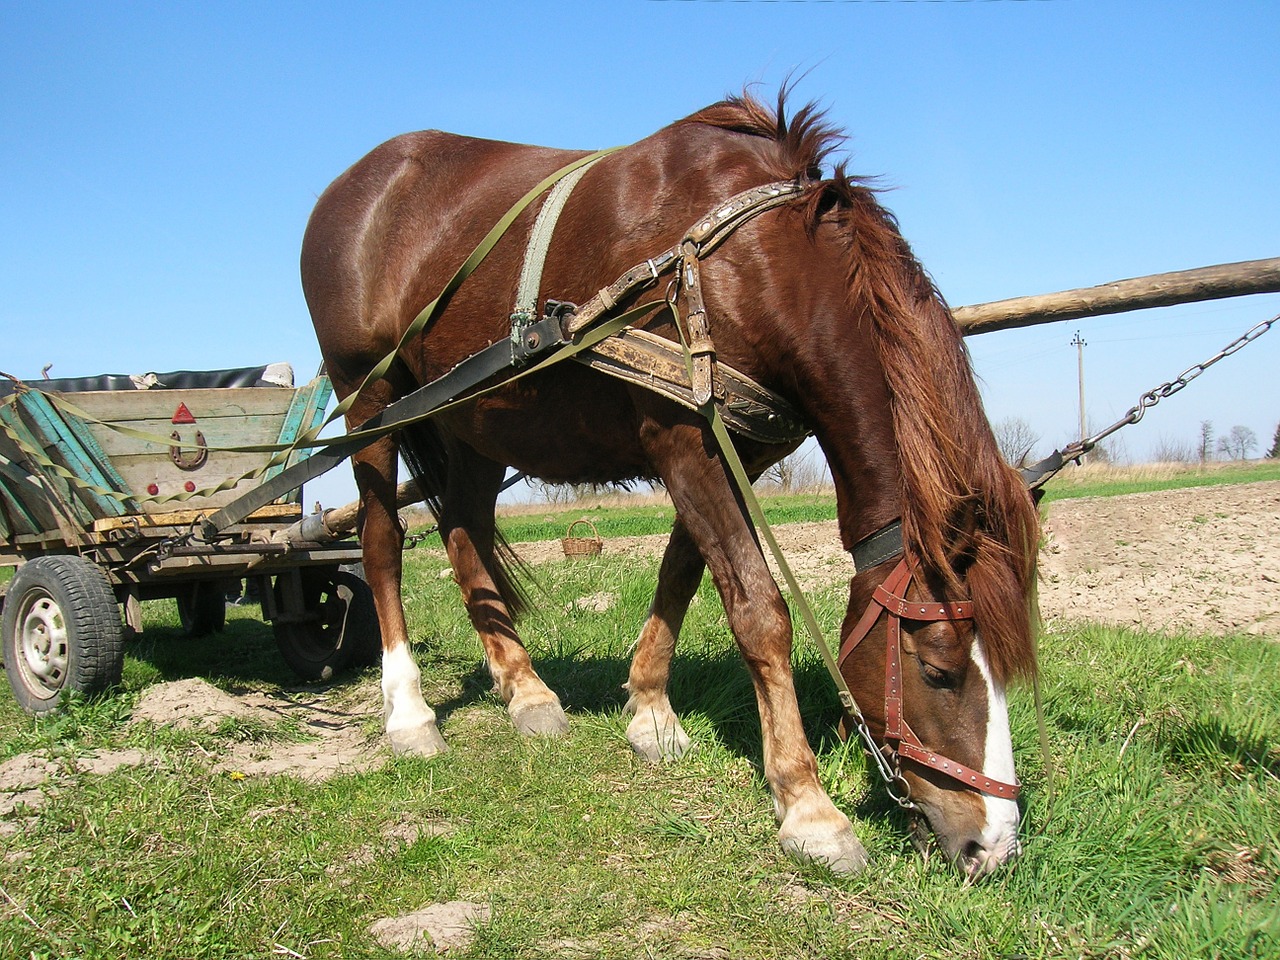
(314, 734)
(1203, 559)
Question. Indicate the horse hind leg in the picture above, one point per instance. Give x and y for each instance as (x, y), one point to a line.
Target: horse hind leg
(655, 732)
(409, 722)
(467, 528)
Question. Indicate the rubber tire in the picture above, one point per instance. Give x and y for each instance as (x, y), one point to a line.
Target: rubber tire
(203, 608)
(75, 597)
(345, 636)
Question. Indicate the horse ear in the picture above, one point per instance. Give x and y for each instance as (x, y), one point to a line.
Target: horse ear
(1037, 494)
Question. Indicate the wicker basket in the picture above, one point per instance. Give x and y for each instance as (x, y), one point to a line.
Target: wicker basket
(582, 546)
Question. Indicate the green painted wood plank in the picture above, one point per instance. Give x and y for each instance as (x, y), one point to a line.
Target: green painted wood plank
(305, 412)
(66, 441)
(30, 495)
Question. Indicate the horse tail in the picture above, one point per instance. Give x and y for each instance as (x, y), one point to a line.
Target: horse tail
(425, 453)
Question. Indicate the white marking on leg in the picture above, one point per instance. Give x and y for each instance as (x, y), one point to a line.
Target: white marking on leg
(1000, 834)
(403, 706)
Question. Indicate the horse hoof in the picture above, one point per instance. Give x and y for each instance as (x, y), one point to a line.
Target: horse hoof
(420, 741)
(657, 744)
(842, 853)
(541, 720)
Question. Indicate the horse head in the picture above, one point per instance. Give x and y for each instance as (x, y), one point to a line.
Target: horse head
(933, 705)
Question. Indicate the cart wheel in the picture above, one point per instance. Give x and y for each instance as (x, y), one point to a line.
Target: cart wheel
(203, 608)
(338, 627)
(62, 631)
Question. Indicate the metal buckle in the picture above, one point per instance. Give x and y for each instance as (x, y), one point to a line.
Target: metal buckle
(530, 338)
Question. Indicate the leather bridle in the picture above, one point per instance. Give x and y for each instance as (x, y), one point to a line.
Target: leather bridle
(900, 740)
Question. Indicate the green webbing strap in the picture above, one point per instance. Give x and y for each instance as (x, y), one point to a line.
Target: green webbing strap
(535, 256)
(1050, 792)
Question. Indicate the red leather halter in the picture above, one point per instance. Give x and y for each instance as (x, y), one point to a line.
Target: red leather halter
(899, 737)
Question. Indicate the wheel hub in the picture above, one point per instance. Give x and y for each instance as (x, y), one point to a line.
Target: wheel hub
(44, 643)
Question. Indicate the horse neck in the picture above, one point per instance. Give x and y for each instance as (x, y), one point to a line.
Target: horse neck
(778, 298)
(845, 399)
(852, 421)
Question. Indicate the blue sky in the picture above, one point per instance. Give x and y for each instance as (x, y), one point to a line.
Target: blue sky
(159, 162)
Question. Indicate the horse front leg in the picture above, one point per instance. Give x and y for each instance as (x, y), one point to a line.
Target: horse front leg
(655, 732)
(811, 828)
(467, 528)
(409, 722)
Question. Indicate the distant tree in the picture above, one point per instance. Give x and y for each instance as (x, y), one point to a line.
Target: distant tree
(1274, 452)
(560, 494)
(1206, 440)
(1238, 444)
(1016, 440)
(1168, 450)
(805, 469)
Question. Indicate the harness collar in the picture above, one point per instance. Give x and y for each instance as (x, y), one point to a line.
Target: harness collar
(873, 550)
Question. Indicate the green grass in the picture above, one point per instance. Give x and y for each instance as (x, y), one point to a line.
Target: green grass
(644, 517)
(1105, 481)
(1163, 839)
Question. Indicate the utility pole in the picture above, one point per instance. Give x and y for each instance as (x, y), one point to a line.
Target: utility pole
(1079, 344)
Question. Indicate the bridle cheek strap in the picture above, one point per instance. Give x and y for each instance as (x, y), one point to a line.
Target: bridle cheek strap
(891, 597)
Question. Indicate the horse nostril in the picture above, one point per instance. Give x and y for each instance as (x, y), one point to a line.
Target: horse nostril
(976, 860)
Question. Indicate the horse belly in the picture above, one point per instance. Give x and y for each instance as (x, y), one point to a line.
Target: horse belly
(568, 427)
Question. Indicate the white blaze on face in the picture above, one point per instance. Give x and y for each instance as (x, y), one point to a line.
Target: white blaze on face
(1000, 835)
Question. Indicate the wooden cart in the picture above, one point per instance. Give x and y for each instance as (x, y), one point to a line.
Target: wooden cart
(102, 483)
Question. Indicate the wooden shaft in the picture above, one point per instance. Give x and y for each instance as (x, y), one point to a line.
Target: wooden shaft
(342, 519)
(1156, 290)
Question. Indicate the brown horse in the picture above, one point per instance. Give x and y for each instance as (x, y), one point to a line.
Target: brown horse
(819, 299)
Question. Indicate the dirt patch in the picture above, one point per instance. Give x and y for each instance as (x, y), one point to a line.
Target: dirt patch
(29, 779)
(312, 735)
(24, 787)
(444, 927)
(189, 704)
(1201, 559)
(1204, 560)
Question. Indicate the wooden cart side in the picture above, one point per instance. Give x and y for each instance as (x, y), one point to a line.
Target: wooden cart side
(159, 455)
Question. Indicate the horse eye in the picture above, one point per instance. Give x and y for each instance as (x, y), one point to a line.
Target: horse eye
(937, 678)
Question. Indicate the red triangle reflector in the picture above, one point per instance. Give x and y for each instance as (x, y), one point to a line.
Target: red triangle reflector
(183, 415)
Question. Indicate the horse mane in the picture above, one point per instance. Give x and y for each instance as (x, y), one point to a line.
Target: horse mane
(965, 512)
